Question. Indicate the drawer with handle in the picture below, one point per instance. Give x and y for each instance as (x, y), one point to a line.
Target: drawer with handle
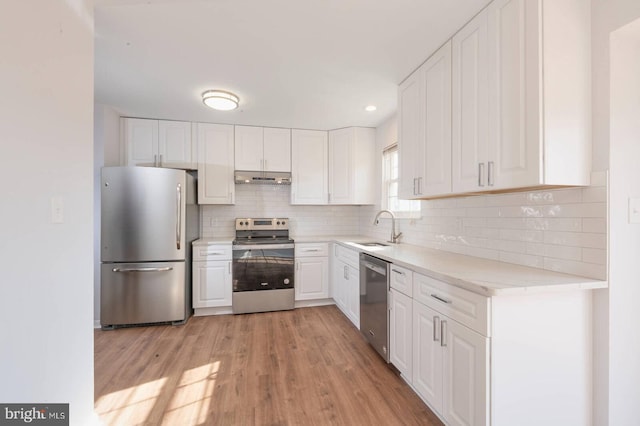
(212, 252)
(311, 249)
(349, 256)
(401, 279)
(468, 308)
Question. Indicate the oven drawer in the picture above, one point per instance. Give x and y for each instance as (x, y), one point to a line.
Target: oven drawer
(312, 249)
(212, 252)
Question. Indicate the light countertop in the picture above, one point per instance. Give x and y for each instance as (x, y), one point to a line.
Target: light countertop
(212, 241)
(482, 276)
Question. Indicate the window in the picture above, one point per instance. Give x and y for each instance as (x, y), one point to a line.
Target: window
(390, 182)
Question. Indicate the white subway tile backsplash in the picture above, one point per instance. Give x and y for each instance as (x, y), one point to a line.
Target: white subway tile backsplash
(562, 230)
(597, 256)
(522, 259)
(594, 224)
(590, 270)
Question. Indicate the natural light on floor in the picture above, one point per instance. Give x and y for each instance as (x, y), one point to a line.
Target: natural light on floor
(193, 395)
(189, 404)
(130, 406)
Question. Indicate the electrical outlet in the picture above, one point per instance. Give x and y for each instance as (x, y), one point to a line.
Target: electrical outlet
(57, 210)
(634, 210)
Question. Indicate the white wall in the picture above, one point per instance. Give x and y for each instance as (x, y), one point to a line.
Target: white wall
(46, 295)
(607, 16)
(624, 290)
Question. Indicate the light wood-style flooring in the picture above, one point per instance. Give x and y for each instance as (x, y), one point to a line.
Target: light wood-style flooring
(308, 366)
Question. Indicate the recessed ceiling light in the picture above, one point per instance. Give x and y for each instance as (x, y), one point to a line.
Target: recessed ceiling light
(220, 100)
(370, 108)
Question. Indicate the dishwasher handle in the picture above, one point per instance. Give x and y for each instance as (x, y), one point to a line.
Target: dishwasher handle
(375, 268)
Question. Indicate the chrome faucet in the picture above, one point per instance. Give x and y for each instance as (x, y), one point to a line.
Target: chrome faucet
(394, 237)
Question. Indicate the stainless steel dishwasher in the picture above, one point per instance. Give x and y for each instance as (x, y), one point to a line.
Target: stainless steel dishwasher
(374, 311)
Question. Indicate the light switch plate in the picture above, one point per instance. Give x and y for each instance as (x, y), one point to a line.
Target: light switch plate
(634, 210)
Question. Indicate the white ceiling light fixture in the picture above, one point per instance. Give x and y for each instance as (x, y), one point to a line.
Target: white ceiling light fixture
(220, 100)
(370, 108)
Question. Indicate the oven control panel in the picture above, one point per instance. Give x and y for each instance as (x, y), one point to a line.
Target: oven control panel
(258, 224)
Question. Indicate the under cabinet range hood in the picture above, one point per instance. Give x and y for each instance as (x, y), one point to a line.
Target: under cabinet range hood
(264, 178)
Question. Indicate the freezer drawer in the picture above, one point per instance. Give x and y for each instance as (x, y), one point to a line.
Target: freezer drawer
(137, 293)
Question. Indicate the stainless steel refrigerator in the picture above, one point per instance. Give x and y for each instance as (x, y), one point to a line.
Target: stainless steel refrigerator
(149, 219)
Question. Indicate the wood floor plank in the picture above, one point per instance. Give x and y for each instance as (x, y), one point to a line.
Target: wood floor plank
(307, 366)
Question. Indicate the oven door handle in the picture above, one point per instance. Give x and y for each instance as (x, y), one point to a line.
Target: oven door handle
(262, 246)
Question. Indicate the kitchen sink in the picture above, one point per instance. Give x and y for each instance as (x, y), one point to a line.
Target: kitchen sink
(373, 244)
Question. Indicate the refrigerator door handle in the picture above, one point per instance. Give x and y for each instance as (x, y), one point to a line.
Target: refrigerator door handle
(178, 215)
(165, 269)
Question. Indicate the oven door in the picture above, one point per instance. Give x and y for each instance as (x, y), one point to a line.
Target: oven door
(263, 267)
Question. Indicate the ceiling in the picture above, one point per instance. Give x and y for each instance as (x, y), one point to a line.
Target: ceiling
(312, 64)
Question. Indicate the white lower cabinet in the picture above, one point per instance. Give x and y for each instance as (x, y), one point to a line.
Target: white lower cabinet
(401, 333)
(312, 271)
(212, 283)
(211, 278)
(450, 367)
(346, 283)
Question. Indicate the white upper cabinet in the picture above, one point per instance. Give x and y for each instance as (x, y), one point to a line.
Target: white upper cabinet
(521, 109)
(140, 140)
(248, 148)
(425, 128)
(539, 92)
(351, 163)
(410, 131)
(277, 149)
(309, 166)
(175, 145)
(215, 165)
(159, 143)
(262, 149)
(470, 115)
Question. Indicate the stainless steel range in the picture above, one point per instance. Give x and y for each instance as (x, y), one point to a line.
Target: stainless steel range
(263, 266)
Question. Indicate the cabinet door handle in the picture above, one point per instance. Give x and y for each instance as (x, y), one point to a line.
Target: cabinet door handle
(397, 272)
(160, 160)
(443, 333)
(414, 186)
(264, 166)
(229, 267)
(436, 328)
(480, 174)
(155, 160)
(443, 300)
(346, 273)
(490, 173)
(420, 186)
(297, 266)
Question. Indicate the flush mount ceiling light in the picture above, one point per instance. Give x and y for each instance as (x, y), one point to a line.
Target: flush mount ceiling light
(220, 100)
(370, 108)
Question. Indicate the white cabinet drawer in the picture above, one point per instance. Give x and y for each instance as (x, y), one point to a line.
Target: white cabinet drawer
(212, 252)
(348, 256)
(312, 249)
(402, 280)
(468, 308)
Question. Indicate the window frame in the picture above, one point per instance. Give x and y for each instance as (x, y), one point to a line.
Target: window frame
(414, 210)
